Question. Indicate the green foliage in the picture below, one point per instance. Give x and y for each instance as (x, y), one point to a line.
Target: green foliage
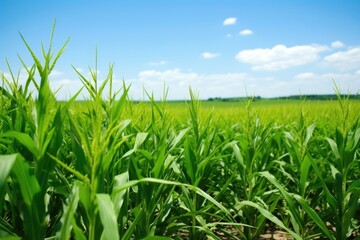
(109, 168)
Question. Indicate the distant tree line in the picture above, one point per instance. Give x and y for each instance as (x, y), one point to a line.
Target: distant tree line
(293, 97)
(233, 99)
(320, 97)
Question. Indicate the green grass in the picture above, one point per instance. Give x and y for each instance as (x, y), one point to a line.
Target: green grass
(115, 169)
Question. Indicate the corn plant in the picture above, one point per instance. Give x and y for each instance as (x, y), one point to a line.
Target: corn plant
(340, 191)
(343, 193)
(254, 150)
(39, 134)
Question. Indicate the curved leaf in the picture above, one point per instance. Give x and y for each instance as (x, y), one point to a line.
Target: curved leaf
(108, 217)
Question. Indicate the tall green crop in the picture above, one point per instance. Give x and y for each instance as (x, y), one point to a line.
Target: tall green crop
(107, 167)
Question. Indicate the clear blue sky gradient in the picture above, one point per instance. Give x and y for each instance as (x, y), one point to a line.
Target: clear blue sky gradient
(152, 42)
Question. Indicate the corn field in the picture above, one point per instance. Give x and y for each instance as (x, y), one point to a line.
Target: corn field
(110, 168)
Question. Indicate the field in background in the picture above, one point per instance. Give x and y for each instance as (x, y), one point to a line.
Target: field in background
(326, 113)
(115, 169)
(280, 111)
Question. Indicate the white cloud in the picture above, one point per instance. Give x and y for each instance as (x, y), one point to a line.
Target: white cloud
(280, 56)
(5, 75)
(178, 81)
(22, 77)
(246, 32)
(324, 83)
(228, 35)
(337, 44)
(229, 21)
(55, 73)
(167, 75)
(159, 63)
(223, 85)
(305, 75)
(237, 84)
(209, 55)
(344, 60)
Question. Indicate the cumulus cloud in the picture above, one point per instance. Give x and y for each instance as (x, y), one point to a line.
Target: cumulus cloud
(180, 78)
(246, 32)
(5, 75)
(167, 75)
(324, 83)
(305, 75)
(225, 84)
(280, 56)
(345, 60)
(209, 55)
(178, 81)
(337, 44)
(55, 73)
(229, 21)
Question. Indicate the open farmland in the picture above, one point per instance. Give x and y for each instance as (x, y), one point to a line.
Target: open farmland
(109, 168)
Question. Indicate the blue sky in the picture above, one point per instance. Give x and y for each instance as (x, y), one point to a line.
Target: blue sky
(219, 48)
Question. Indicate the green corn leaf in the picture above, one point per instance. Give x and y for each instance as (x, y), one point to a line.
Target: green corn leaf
(6, 230)
(239, 158)
(108, 217)
(131, 229)
(77, 138)
(10, 238)
(318, 221)
(36, 60)
(356, 139)
(334, 148)
(119, 105)
(86, 83)
(48, 139)
(140, 138)
(60, 52)
(145, 153)
(25, 140)
(68, 214)
(190, 162)
(329, 197)
(85, 198)
(271, 217)
(159, 164)
(85, 179)
(309, 133)
(78, 232)
(117, 197)
(33, 203)
(128, 153)
(178, 138)
(338, 183)
(352, 206)
(352, 145)
(354, 186)
(156, 238)
(6, 164)
(105, 82)
(186, 186)
(287, 196)
(304, 173)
